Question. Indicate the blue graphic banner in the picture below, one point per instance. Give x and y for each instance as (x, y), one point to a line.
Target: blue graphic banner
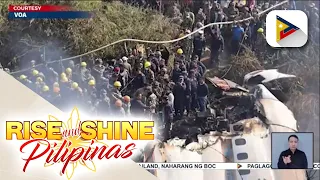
(50, 15)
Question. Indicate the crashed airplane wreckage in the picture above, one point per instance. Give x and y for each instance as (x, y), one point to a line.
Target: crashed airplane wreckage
(237, 128)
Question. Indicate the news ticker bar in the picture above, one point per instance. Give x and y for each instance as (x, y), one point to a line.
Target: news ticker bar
(46, 11)
(226, 166)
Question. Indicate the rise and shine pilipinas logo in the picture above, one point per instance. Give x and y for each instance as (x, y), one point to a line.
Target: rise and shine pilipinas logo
(75, 142)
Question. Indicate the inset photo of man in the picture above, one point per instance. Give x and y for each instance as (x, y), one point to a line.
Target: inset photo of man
(292, 150)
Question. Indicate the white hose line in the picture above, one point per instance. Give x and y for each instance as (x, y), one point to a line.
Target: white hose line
(151, 42)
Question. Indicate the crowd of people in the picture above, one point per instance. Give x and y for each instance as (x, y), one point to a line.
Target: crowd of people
(145, 83)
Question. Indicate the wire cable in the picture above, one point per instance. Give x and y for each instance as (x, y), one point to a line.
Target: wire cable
(152, 42)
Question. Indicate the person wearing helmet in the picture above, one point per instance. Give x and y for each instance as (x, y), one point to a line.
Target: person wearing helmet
(260, 30)
(62, 75)
(45, 92)
(74, 85)
(35, 72)
(56, 84)
(24, 80)
(39, 79)
(119, 110)
(179, 51)
(22, 77)
(84, 72)
(116, 93)
(69, 73)
(64, 79)
(83, 64)
(92, 87)
(148, 72)
(117, 84)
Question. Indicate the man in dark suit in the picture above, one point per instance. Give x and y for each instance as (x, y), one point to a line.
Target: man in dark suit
(293, 158)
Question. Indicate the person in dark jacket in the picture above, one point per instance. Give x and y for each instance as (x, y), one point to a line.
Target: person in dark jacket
(187, 103)
(179, 97)
(176, 73)
(293, 158)
(198, 44)
(202, 94)
(168, 114)
(193, 93)
(137, 106)
(217, 46)
(140, 80)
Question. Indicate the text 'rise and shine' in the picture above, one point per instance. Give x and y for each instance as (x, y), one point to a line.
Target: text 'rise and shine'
(114, 130)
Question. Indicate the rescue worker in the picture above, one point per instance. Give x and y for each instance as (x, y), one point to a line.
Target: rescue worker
(35, 74)
(148, 72)
(24, 80)
(91, 87)
(69, 73)
(84, 73)
(116, 94)
(45, 93)
(179, 55)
